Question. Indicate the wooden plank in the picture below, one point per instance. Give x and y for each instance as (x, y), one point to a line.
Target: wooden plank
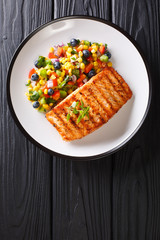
(82, 190)
(82, 200)
(136, 178)
(25, 170)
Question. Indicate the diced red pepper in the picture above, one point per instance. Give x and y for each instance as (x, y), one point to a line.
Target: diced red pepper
(99, 63)
(90, 49)
(70, 83)
(102, 49)
(46, 95)
(55, 83)
(60, 51)
(81, 78)
(88, 68)
(51, 55)
(32, 71)
(55, 74)
(56, 95)
(89, 58)
(80, 84)
(80, 48)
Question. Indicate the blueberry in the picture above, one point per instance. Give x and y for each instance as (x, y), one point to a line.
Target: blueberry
(36, 63)
(91, 73)
(108, 54)
(73, 42)
(50, 91)
(34, 77)
(86, 53)
(36, 104)
(57, 65)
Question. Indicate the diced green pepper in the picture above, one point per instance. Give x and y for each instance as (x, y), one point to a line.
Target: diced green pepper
(87, 43)
(40, 92)
(63, 94)
(41, 109)
(104, 58)
(34, 96)
(43, 100)
(58, 72)
(43, 73)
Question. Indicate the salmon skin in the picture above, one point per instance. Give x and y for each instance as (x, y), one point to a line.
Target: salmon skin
(105, 94)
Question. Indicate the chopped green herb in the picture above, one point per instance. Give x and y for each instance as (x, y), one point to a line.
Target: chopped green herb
(68, 44)
(28, 83)
(68, 116)
(83, 111)
(62, 84)
(76, 72)
(74, 51)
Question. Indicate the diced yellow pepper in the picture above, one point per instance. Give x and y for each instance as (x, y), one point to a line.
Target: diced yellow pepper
(45, 91)
(51, 49)
(46, 106)
(79, 60)
(109, 64)
(82, 66)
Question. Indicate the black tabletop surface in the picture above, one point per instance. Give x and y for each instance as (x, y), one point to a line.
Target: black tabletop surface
(46, 197)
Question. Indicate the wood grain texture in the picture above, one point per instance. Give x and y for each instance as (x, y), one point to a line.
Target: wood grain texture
(25, 180)
(136, 178)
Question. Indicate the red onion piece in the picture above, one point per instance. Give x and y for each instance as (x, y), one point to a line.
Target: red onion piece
(50, 84)
(74, 78)
(85, 80)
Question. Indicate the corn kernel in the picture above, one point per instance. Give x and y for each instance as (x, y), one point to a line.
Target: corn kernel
(70, 91)
(48, 72)
(46, 106)
(51, 49)
(30, 89)
(82, 66)
(82, 41)
(93, 51)
(109, 64)
(68, 54)
(52, 77)
(51, 104)
(69, 50)
(27, 94)
(80, 53)
(38, 85)
(85, 47)
(94, 55)
(101, 44)
(95, 63)
(35, 88)
(70, 72)
(65, 47)
(41, 82)
(62, 74)
(98, 70)
(29, 80)
(45, 91)
(79, 60)
(29, 98)
(60, 79)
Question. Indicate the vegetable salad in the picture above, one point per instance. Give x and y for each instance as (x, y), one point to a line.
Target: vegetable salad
(66, 68)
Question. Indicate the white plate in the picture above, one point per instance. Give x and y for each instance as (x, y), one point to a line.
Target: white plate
(126, 59)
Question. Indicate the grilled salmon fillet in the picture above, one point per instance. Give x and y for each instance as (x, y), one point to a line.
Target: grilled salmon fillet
(105, 94)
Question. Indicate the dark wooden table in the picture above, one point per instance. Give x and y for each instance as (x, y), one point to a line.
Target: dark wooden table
(45, 197)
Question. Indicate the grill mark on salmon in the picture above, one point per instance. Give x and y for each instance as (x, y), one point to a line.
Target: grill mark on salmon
(105, 93)
(117, 86)
(122, 82)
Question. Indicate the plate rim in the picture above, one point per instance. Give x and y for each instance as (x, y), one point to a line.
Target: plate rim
(15, 117)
